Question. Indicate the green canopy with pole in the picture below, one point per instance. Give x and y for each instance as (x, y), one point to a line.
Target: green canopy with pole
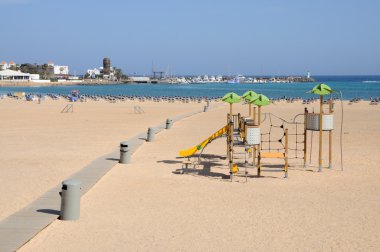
(231, 98)
(249, 97)
(321, 90)
(260, 101)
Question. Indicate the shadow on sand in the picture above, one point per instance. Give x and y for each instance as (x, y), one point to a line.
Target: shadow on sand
(202, 166)
(49, 211)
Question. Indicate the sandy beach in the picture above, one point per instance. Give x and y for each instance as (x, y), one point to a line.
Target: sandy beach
(40, 146)
(149, 206)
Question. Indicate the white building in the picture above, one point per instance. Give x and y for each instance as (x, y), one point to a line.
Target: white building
(34, 77)
(58, 70)
(11, 75)
(93, 73)
(61, 70)
(4, 65)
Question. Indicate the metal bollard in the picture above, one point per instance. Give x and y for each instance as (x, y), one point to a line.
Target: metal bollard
(169, 123)
(125, 154)
(70, 199)
(150, 135)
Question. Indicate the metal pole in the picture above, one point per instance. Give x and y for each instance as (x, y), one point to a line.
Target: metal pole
(286, 153)
(231, 144)
(305, 140)
(231, 159)
(320, 131)
(246, 148)
(259, 146)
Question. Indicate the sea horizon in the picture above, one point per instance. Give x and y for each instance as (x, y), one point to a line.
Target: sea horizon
(354, 86)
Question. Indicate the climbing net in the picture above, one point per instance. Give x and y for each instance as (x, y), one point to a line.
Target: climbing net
(274, 140)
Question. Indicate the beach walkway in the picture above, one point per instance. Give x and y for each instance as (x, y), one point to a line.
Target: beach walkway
(18, 228)
(23, 225)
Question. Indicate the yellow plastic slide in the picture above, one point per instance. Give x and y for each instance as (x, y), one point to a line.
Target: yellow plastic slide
(192, 150)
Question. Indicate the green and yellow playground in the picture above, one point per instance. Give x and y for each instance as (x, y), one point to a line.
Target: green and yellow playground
(262, 136)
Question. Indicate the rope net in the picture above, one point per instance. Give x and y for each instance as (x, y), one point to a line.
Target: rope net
(274, 139)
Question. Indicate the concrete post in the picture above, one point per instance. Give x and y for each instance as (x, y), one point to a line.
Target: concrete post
(125, 153)
(150, 135)
(169, 123)
(70, 199)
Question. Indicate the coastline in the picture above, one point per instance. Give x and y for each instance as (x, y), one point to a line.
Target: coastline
(47, 84)
(351, 90)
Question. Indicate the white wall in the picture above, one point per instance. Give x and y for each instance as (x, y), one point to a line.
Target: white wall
(61, 70)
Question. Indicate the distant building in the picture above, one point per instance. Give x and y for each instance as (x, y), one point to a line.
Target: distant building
(106, 66)
(61, 70)
(93, 73)
(11, 75)
(34, 77)
(106, 71)
(58, 70)
(4, 65)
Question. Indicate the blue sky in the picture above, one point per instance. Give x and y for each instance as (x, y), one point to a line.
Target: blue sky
(196, 37)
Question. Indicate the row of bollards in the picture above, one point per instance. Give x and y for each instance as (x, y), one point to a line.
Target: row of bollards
(71, 188)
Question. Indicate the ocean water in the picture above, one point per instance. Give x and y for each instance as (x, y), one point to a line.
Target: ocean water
(351, 87)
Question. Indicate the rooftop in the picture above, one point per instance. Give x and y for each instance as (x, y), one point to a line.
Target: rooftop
(12, 73)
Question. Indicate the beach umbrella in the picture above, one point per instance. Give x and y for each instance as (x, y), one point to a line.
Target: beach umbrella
(321, 90)
(249, 96)
(231, 98)
(260, 101)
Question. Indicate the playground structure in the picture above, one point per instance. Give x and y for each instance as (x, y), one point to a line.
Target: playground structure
(282, 139)
(320, 122)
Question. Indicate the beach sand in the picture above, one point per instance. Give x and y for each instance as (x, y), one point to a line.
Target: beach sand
(40, 146)
(148, 206)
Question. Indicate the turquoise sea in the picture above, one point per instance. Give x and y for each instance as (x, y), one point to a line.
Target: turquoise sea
(351, 87)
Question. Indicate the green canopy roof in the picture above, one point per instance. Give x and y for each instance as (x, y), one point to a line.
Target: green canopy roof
(321, 89)
(250, 96)
(261, 100)
(231, 98)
